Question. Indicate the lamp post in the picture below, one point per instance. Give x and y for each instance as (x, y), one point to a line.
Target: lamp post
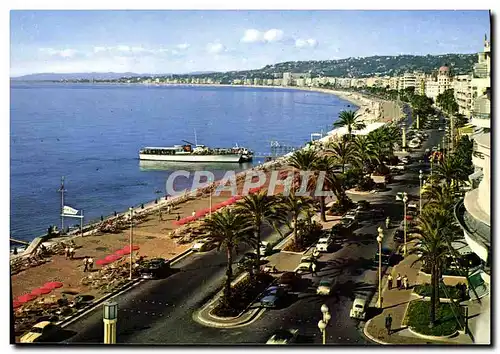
(403, 127)
(380, 237)
(324, 322)
(405, 200)
(131, 237)
(110, 316)
(420, 176)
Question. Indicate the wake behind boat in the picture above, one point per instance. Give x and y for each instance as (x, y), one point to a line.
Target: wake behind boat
(200, 153)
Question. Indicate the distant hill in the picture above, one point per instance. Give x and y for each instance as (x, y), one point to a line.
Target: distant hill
(74, 76)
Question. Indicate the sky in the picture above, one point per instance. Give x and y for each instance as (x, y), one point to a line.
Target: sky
(177, 41)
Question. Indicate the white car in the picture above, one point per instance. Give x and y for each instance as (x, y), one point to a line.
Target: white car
(283, 336)
(358, 310)
(353, 215)
(323, 244)
(303, 267)
(324, 287)
(201, 245)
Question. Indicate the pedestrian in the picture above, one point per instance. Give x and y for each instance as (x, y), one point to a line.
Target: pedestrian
(405, 282)
(388, 324)
(387, 222)
(169, 208)
(178, 217)
(66, 252)
(315, 253)
(85, 264)
(389, 281)
(71, 252)
(398, 281)
(313, 268)
(90, 262)
(193, 214)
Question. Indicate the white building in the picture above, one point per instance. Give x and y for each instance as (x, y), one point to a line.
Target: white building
(462, 90)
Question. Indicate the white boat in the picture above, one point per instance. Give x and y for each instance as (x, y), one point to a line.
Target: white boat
(201, 153)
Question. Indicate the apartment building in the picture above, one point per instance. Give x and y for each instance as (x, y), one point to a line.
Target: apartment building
(462, 90)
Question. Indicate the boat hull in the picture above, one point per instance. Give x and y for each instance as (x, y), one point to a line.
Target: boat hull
(230, 158)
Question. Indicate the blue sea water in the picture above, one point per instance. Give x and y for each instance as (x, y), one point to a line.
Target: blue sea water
(91, 134)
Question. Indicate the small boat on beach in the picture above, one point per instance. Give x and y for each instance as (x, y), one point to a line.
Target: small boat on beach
(200, 153)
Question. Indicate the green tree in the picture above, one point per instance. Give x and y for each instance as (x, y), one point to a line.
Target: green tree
(228, 229)
(350, 120)
(343, 152)
(295, 206)
(260, 209)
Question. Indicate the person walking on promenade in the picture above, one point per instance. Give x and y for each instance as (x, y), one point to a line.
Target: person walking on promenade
(388, 324)
(398, 281)
(85, 264)
(66, 252)
(178, 217)
(389, 281)
(90, 262)
(387, 222)
(405, 282)
(313, 268)
(193, 214)
(71, 252)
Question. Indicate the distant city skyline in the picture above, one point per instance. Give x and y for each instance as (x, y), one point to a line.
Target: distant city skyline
(186, 41)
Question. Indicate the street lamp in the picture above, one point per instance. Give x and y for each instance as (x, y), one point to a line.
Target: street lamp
(110, 316)
(324, 322)
(405, 200)
(131, 237)
(403, 125)
(380, 237)
(420, 176)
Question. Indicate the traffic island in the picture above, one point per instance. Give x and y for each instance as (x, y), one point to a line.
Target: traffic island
(240, 310)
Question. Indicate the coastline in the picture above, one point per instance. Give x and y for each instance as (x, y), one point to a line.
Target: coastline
(368, 110)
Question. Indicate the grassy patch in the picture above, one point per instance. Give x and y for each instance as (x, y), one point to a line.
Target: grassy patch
(418, 318)
(457, 292)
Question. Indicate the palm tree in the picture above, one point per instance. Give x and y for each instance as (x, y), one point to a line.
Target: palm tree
(379, 149)
(343, 152)
(451, 170)
(228, 229)
(295, 206)
(360, 152)
(432, 247)
(441, 197)
(350, 120)
(260, 209)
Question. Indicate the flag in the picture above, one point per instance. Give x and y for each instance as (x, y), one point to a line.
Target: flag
(67, 210)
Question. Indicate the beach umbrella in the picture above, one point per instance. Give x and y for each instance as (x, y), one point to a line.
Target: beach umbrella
(40, 291)
(26, 298)
(53, 285)
(111, 258)
(16, 304)
(101, 262)
(134, 248)
(120, 252)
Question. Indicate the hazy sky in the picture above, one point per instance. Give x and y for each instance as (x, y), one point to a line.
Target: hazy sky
(185, 41)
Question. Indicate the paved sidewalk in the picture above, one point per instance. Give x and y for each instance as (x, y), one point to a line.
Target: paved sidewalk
(395, 303)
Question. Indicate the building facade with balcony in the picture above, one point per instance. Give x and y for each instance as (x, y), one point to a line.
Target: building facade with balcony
(462, 90)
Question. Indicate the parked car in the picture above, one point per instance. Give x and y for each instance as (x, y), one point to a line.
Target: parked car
(154, 268)
(358, 310)
(283, 336)
(272, 296)
(324, 244)
(387, 256)
(308, 259)
(399, 235)
(289, 280)
(363, 205)
(42, 331)
(351, 214)
(324, 286)
(303, 267)
(202, 245)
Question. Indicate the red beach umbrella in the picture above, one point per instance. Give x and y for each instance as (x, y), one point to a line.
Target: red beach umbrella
(101, 262)
(111, 258)
(134, 248)
(16, 304)
(120, 252)
(40, 291)
(26, 298)
(53, 285)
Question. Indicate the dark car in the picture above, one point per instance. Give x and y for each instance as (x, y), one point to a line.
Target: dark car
(154, 268)
(387, 256)
(273, 296)
(289, 280)
(399, 235)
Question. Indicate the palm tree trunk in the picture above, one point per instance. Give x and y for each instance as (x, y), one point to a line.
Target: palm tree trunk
(295, 234)
(229, 273)
(322, 208)
(257, 237)
(433, 296)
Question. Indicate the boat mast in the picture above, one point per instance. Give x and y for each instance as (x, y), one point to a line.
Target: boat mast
(62, 190)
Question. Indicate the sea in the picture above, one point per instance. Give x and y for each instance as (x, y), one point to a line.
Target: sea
(91, 134)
